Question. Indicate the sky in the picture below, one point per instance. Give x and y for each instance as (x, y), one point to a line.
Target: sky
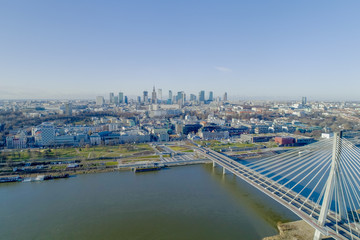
(277, 49)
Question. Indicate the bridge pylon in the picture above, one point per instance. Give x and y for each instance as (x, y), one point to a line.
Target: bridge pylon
(331, 183)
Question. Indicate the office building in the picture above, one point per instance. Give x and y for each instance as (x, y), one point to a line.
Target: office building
(304, 100)
(44, 134)
(112, 99)
(202, 96)
(211, 96)
(126, 100)
(178, 97)
(170, 97)
(225, 97)
(145, 97)
(153, 96)
(192, 97)
(159, 96)
(121, 97)
(68, 109)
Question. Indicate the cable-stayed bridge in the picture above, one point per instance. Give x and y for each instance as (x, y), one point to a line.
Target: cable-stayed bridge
(319, 182)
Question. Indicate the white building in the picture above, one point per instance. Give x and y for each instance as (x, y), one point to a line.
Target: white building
(44, 134)
(18, 141)
(327, 135)
(95, 139)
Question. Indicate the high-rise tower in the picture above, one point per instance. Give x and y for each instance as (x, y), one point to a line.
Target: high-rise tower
(145, 97)
(225, 97)
(202, 96)
(153, 96)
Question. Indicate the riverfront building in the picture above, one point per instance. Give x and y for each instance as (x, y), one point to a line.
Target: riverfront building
(44, 134)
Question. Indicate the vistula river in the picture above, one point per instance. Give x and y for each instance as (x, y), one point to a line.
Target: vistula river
(185, 203)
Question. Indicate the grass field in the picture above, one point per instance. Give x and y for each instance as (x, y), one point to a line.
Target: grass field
(217, 145)
(181, 148)
(94, 152)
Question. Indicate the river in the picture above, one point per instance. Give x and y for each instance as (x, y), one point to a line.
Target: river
(190, 202)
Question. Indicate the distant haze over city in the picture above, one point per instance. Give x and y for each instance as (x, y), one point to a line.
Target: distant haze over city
(268, 50)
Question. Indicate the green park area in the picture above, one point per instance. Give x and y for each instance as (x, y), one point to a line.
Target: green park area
(82, 153)
(218, 145)
(181, 148)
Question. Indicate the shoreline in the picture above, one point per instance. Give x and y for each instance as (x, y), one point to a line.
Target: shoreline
(72, 172)
(297, 230)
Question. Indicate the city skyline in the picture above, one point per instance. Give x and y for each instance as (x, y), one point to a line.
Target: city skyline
(257, 50)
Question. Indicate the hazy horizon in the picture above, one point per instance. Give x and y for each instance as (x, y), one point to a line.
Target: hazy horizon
(249, 49)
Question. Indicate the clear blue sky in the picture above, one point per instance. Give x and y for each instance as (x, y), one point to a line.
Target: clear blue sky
(254, 48)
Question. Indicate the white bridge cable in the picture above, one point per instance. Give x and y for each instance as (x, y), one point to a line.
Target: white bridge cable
(353, 171)
(270, 160)
(268, 174)
(309, 165)
(343, 201)
(350, 201)
(307, 175)
(356, 161)
(313, 190)
(348, 181)
(284, 157)
(305, 165)
(285, 163)
(354, 189)
(317, 203)
(292, 160)
(349, 167)
(336, 193)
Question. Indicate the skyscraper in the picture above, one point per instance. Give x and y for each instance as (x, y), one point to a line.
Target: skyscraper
(159, 94)
(303, 100)
(121, 97)
(192, 97)
(112, 100)
(145, 97)
(68, 109)
(181, 98)
(202, 96)
(211, 96)
(225, 97)
(126, 100)
(170, 97)
(153, 96)
(178, 97)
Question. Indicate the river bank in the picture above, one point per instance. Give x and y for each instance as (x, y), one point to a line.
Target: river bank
(298, 230)
(76, 171)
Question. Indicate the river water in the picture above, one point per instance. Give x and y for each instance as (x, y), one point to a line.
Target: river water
(190, 202)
